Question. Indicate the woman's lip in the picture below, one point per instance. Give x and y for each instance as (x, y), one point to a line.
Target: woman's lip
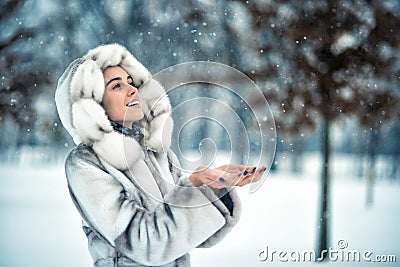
(134, 106)
(133, 103)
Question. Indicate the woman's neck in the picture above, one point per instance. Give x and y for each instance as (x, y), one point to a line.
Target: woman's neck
(126, 124)
(132, 131)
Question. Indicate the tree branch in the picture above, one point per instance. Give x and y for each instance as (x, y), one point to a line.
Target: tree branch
(8, 8)
(22, 34)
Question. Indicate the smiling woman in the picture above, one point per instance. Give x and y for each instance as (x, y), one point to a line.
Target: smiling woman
(138, 208)
(121, 99)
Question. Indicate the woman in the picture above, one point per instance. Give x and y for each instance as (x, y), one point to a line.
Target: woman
(137, 206)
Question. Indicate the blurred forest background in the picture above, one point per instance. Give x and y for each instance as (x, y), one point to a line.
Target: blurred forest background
(329, 69)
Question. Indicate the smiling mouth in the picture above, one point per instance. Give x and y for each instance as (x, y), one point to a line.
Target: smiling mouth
(133, 103)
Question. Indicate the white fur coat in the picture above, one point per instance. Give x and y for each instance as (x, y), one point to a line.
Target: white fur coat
(135, 203)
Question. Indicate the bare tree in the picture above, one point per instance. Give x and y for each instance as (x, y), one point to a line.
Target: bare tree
(21, 77)
(330, 60)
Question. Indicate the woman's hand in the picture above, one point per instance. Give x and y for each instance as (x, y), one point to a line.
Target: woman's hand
(226, 176)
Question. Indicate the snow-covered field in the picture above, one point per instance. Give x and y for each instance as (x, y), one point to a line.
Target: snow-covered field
(40, 226)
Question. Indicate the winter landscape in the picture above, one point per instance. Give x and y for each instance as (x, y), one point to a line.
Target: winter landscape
(40, 225)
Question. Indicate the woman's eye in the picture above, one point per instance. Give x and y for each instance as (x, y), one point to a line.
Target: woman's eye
(116, 86)
(131, 83)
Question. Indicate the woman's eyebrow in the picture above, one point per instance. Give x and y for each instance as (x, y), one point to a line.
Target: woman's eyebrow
(114, 79)
(129, 77)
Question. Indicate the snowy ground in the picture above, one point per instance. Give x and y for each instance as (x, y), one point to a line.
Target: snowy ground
(40, 227)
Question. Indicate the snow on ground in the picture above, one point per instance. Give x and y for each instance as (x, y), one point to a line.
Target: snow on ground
(40, 226)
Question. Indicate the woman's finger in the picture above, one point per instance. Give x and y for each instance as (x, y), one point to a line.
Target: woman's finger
(256, 176)
(237, 168)
(212, 177)
(230, 179)
(221, 178)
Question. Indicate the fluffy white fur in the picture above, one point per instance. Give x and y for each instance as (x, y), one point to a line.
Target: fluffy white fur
(87, 82)
(158, 133)
(113, 55)
(112, 142)
(157, 127)
(156, 99)
(89, 120)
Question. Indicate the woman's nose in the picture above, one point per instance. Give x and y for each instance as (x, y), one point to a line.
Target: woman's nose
(132, 90)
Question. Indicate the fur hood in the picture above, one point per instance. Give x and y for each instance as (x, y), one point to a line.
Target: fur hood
(78, 99)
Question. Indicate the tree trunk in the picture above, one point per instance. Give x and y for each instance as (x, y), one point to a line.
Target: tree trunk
(371, 171)
(296, 155)
(396, 154)
(324, 216)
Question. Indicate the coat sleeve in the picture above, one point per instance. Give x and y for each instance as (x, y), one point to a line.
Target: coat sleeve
(227, 201)
(148, 237)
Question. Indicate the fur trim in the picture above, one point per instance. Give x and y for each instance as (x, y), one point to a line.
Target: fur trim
(82, 88)
(90, 120)
(115, 54)
(112, 142)
(157, 128)
(156, 99)
(158, 133)
(87, 82)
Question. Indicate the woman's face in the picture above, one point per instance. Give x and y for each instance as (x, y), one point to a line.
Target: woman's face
(121, 99)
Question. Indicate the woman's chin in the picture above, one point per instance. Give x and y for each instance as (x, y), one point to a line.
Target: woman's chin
(134, 116)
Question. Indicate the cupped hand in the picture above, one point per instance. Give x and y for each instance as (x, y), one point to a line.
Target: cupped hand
(227, 175)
